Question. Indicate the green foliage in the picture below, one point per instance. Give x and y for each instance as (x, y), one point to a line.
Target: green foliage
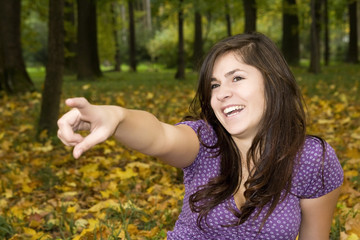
(162, 48)
(6, 230)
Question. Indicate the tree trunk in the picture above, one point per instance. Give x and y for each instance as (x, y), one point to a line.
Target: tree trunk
(290, 37)
(54, 69)
(228, 18)
(117, 57)
(13, 75)
(198, 41)
(180, 73)
(70, 37)
(326, 34)
(250, 15)
(148, 15)
(88, 66)
(352, 55)
(132, 40)
(315, 37)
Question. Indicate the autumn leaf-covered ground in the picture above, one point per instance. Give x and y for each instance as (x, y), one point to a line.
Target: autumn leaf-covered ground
(115, 193)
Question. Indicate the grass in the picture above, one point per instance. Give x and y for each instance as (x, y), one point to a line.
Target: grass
(336, 81)
(339, 76)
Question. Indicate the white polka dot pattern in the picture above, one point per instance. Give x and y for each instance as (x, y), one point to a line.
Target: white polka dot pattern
(283, 223)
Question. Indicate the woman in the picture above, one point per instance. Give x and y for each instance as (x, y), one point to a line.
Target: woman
(250, 171)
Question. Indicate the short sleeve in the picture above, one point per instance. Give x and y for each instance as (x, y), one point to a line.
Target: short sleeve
(317, 173)
(207, 138)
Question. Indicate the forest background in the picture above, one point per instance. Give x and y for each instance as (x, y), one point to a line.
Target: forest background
(144, 54)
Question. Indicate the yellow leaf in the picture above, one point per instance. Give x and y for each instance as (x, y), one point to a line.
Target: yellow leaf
(149, 95)
(176, 192)
(132, 229)
(25, 127)
(71, 209)
(5, 145)
(8, 193)
(3, 203)
(104, 204)
(150, 234)
(2, 135)
(106, 193)
(29, 231)
(111, 143)
(26, 188)
(351, 173)
(123, 175)
(353, 236)
(356, 135)
(326, 121)
(353, 153)
(86, 86)
(120, 101)
(81, 223)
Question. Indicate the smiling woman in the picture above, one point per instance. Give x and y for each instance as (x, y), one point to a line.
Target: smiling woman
(250, 170)
(238, 96)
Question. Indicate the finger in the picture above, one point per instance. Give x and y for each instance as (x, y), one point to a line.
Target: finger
(86, 110)
(77, 102)
(67, 124)
(88, 142)
(74, 140)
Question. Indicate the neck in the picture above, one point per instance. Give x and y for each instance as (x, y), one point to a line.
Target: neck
(243, 145)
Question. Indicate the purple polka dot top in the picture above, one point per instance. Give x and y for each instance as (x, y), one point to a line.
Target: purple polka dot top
(283, 223)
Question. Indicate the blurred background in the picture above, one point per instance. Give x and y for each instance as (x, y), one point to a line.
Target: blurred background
(145, 54)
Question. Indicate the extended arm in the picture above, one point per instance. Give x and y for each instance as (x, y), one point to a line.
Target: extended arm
(139, 130)
(316, 216)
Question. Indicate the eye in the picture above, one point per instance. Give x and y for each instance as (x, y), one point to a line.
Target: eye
(237, 78)
(214, 85)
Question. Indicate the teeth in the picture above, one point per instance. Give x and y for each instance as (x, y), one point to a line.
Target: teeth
(233, 108)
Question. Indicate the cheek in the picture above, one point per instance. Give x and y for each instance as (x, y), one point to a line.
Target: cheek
(212, 102)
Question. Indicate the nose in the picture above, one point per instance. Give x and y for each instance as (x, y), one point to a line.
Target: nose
(224, 92)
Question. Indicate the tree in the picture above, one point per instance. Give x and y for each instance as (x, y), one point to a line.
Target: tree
(13, 75)
(228, 18)
(353, 49)
(326, 33)
(70, 37)
(180, 73)
(198, 39)
(54, 70)
(250, 15)
(117, 62)
(148, 15)
(315, 36)
(88, 66)
(132, 40)
(290, 36)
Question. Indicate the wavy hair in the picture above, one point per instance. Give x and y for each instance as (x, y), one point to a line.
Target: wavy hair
(274, 149)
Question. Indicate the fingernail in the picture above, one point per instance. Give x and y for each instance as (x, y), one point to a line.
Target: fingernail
(77, 153)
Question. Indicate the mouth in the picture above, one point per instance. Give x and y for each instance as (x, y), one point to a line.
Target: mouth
(233, 110)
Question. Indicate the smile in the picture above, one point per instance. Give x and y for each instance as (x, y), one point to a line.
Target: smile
(233, 110)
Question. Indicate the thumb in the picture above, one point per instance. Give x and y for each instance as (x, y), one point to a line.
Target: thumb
(88, 142)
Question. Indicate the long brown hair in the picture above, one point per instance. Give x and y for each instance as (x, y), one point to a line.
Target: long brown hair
(274, 149)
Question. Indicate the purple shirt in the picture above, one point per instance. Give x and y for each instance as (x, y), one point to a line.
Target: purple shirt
(283, 223)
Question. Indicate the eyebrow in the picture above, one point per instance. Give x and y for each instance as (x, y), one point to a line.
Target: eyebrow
(227, 74)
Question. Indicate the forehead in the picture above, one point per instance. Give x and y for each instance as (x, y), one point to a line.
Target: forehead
(231, 62)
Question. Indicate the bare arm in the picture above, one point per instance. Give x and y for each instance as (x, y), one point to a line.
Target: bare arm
(316, 216)
(142, 131)
(139, 130)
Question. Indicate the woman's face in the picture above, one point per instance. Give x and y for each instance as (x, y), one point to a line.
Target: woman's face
(237, 97)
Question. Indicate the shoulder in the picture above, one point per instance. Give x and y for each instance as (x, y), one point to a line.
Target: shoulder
(317, 171)
(204, 131)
